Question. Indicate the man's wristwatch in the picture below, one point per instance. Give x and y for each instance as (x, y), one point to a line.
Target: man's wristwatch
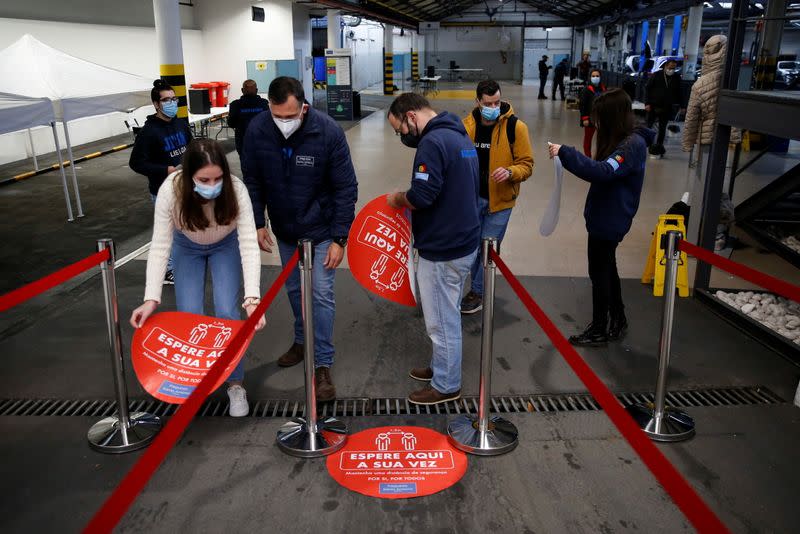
(341, 241)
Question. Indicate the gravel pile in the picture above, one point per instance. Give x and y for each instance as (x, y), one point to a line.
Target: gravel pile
(776, 313)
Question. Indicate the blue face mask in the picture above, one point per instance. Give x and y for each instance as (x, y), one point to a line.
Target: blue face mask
(490, 114)
(208, 192)
(170, 109)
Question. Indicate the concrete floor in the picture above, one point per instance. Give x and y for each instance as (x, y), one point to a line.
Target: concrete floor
(572, 471)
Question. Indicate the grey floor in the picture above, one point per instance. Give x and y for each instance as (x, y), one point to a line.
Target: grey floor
(572, 471)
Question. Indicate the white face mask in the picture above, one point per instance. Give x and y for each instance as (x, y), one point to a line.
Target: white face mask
(287, 126)
(595, 80)
(670, 72)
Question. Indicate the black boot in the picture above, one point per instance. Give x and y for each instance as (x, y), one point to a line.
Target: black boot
(593, 336)
(618, 327)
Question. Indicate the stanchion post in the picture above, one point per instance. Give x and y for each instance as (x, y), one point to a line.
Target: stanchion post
(484, 435)
(307, 437)
(658, 421)
(123, 432)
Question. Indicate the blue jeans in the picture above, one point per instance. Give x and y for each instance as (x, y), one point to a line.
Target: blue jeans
(324, 301)
(190, 263)
(492, 225)
(440, 286)
(169, 260)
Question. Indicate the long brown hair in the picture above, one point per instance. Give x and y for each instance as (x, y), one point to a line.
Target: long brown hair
(200, 153)
(612, 115)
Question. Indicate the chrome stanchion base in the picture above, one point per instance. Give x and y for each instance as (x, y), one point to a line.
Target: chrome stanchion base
(109, 436)
(464, 435)
(675, 424)
(296, 439)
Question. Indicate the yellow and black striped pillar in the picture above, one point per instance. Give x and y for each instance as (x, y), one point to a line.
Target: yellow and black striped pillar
(174, 76)
(415, 66)
(388, 73)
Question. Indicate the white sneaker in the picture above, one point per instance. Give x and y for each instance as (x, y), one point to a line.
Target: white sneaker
(238, 402)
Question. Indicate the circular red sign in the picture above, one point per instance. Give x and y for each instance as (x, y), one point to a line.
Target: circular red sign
(397, 462)
(378, 251)
(173, 351)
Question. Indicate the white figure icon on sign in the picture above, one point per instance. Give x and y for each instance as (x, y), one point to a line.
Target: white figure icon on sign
(382, 441)
(378, 270)
(409, 441)
(222, 337)
(198, 333)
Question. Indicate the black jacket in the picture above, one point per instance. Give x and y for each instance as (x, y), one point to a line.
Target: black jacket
(307, 182)
(613, 197)
(544, 68)
(159, 144)
(561, 70)
(588, 94)
(663, 91)
(242, 112)
(444, 191)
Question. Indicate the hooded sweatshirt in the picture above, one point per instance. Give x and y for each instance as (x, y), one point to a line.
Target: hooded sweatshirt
(159, 144)
(444, 191)
(701, 111)
(613, 197)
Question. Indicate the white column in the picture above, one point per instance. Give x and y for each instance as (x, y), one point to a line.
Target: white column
(170, 49)
(692, 41)
(388, 59)
(334, 29)
(587, 41)
(601, 43)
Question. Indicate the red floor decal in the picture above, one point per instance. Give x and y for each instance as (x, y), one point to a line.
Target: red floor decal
(173, 351)
(397, 462)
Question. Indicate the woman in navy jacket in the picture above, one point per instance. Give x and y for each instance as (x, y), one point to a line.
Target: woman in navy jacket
(616, 175)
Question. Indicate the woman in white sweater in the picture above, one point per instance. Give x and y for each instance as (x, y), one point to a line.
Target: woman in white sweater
(204, 216)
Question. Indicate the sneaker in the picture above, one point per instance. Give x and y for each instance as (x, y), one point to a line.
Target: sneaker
(471, 303)
(325, 389)
(428, 396)
(617, 328)
(238, 402)
(423, 374)
(293, 356)
(169, 278)
(591, 337)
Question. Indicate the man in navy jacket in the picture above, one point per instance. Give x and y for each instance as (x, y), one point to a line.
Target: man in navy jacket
(296, 164)
(444, 201)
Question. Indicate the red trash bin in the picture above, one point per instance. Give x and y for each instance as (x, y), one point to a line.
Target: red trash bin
(222, 93)
(213, 94)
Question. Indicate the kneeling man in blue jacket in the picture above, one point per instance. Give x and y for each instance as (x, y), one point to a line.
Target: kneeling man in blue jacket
(296, 164)
(444, 220)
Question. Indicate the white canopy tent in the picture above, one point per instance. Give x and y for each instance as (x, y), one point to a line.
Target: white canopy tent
(32, 72)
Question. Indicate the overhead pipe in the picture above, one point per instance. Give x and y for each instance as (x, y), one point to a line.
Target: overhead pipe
(368, 12)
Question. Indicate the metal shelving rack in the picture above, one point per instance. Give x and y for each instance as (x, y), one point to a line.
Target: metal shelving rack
(766, 112)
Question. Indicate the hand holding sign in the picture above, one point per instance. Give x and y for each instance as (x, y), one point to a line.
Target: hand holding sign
(173, 352)
(379, 251)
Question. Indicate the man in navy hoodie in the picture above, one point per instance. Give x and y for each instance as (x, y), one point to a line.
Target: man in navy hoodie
(296, 164)
(444, 201)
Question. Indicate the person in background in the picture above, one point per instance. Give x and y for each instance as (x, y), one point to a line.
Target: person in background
(443, 198)
(544, 70)
(663, 96)
(585, 68)
(160, 145)
(244, 109)
(698, 133)
(616, 175)
(558, 77)
(505, 160)
(203, 215)
(296, 164)
(592, 90)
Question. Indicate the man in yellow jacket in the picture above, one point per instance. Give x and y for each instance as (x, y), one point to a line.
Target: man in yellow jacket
(506, 160)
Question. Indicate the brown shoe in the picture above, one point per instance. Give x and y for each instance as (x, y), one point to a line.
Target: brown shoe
(423, 374)
(293, 356)
(325, 389)
(428, 395)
